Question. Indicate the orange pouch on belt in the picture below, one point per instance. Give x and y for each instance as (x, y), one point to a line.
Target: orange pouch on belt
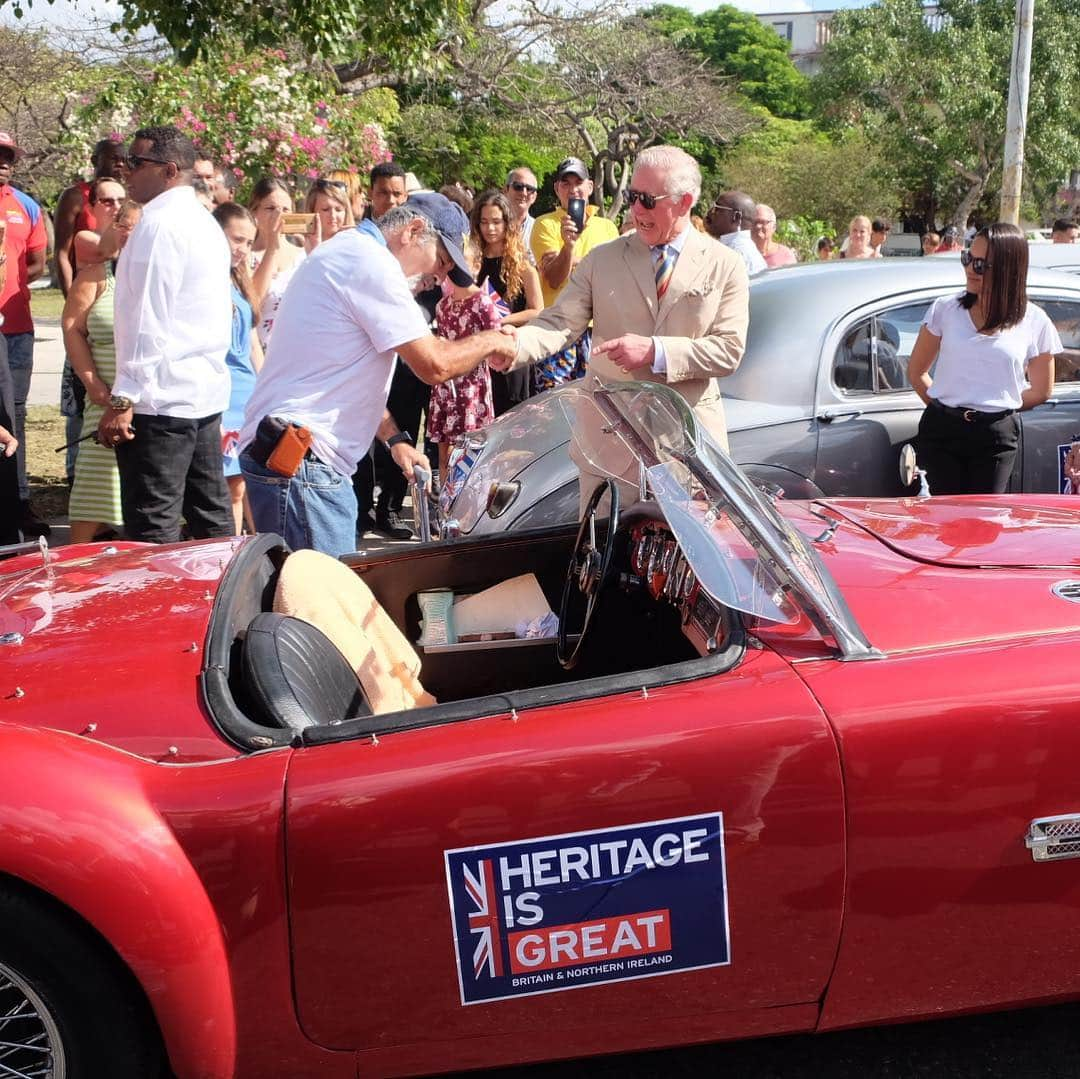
(290, 449)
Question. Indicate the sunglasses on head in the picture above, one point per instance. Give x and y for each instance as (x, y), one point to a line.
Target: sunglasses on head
(648, 201)
(978, 266)
(517, 185)
(325, 185)
(136, 161)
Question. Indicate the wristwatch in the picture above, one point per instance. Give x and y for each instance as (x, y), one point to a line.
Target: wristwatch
(120, 404)
(401, 436)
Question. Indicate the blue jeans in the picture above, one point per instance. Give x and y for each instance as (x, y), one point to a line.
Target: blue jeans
(20, 348)
(316, 508)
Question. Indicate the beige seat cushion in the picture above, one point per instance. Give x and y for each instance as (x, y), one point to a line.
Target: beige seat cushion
(325, 592)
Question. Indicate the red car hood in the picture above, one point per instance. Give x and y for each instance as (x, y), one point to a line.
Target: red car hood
(973, 530)
(107, 642)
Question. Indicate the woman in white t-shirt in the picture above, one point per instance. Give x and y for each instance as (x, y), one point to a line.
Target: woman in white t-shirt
(995, 357)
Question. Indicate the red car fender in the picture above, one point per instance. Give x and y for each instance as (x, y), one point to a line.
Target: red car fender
(76, 822)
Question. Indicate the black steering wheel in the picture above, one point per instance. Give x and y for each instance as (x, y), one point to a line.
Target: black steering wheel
(586, 572)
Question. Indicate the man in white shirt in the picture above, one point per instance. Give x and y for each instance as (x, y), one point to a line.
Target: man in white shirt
(348, 309)
(172, 327)
(729, 220)
(521, 189)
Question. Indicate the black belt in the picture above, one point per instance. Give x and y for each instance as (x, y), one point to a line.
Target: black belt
(971, 415)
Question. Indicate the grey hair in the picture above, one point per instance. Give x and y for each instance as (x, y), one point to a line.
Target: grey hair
(520, 168)
(397, 218)
(683, 173)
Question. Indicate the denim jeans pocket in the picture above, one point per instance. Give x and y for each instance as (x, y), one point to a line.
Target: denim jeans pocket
(321, 476)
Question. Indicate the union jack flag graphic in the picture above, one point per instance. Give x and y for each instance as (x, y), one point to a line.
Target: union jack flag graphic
(483, 919)
(502, 308)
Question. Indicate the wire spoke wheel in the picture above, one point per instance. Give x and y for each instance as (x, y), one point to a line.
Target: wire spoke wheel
(30, 1045)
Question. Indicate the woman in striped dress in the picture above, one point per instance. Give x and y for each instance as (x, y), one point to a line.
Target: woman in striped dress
(88, 339)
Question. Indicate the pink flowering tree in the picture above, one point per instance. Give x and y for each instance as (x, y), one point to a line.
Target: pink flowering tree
(256, 113)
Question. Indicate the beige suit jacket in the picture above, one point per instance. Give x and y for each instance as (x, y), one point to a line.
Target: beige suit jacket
(701, 321)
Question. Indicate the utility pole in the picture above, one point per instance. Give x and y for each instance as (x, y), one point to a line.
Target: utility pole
(1016, 125)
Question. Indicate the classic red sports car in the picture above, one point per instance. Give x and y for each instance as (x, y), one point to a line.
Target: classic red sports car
(785, 767)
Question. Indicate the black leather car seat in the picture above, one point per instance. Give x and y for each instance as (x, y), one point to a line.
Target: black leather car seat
(296, 677)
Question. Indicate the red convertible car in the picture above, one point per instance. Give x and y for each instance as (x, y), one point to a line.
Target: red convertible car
(785, 767)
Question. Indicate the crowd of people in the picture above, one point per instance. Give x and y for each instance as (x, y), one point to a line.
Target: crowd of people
(252, 367)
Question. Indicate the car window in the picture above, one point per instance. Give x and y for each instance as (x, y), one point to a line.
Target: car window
(1065, 315)
(873, 356)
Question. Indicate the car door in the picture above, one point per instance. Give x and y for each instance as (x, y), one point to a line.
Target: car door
(1048, 431)
(629, 870)
(866, 408)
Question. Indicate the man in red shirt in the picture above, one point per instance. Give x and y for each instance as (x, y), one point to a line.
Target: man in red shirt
(24, 261)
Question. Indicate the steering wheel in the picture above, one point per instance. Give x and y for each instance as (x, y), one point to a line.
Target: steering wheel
(586, 572)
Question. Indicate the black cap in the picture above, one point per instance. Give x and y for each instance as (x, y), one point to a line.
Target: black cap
(574, 165)
(450, 222)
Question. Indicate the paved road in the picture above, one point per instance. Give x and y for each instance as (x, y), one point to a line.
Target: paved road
(48, 362)
(1039, 1043)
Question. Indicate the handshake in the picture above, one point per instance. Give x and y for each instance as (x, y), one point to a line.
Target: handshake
(503, 348)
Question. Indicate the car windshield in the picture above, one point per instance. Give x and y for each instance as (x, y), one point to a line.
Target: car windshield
(744, 553)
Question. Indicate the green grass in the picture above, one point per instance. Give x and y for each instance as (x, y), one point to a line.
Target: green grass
(46, 302)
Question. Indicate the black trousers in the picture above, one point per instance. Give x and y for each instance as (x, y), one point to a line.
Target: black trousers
(171, 469)
(408, 399)
(967, 457)
(510, 388)
(10, 510)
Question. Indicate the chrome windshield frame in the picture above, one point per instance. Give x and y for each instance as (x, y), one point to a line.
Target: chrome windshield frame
(763, 529)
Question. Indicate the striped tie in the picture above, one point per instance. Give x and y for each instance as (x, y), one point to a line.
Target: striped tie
(664, 261)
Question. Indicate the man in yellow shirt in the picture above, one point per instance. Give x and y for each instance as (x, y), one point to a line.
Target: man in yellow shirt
(558, 247)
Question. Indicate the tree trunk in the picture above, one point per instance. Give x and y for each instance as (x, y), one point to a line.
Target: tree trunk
(977, 185)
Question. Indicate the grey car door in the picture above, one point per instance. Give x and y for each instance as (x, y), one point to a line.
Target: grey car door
(867, 409)
(1047, 462)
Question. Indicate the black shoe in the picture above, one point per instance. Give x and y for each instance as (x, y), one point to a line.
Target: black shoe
(391, 525)
(31, 525)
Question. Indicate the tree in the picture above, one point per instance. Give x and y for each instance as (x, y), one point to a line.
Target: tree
(402, 34)
(933, 93)
(605, 87)
(740, 46)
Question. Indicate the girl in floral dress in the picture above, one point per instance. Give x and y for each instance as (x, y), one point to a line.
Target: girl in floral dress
(462, 404)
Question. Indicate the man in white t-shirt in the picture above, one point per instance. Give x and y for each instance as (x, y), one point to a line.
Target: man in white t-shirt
(347, 310)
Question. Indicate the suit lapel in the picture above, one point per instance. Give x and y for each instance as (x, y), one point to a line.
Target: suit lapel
(687, 270)
(639, 262)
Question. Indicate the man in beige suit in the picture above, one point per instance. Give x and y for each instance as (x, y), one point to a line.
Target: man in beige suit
(668, 303)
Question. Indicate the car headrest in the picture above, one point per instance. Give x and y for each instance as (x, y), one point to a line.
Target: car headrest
(296, 677)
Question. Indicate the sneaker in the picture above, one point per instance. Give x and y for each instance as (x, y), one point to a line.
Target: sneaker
(391, 525)
(31, 526)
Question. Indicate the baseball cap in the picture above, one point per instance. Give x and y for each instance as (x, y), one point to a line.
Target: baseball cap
(9, 142)
(450, 222)
(574, 165)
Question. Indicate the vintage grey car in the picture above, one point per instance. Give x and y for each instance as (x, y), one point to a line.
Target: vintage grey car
(820, 404)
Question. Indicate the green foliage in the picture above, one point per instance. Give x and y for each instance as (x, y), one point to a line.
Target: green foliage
(802, 233)
(739, 45)
(801, 174)
(934, 97)
(402, 33)
(256, 113)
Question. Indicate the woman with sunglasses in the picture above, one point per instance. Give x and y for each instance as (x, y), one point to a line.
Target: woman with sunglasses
(505, 270)
(273, 259)
(328, 200)
(995, 357)
(106, 198)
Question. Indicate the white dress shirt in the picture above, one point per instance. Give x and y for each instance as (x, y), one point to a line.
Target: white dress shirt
(173, 322)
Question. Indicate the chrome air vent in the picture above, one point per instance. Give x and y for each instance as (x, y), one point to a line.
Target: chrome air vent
(1052, 838)
(1069, 590)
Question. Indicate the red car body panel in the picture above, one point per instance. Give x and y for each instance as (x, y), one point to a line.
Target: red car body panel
(286, 912)
(374, 819)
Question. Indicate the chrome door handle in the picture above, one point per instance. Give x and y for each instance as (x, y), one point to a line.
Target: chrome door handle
(838, 414)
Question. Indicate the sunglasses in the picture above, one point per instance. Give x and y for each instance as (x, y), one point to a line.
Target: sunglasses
(325, 185)
(136, 161)
(978, 266)
(517, 185)
(648, 201)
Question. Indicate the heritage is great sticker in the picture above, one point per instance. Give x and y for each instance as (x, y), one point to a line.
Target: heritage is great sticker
(560, 912)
